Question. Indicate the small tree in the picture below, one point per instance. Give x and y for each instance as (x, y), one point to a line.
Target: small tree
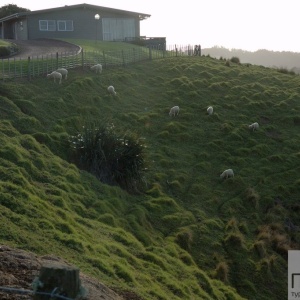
(11, 9)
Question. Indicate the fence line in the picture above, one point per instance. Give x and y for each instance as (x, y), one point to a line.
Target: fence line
(30, 292)
(35, 66)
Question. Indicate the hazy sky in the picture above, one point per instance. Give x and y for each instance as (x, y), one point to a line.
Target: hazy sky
(241, 24)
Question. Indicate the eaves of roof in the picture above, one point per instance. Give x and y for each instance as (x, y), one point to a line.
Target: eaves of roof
(141, 16)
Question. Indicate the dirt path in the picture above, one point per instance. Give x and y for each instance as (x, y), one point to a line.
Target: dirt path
(18, 269)
(44, 47)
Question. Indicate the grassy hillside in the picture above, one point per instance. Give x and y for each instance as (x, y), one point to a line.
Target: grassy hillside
(275, 59)
(189, 234)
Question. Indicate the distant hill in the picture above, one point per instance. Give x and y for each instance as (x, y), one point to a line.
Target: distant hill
(283, 59)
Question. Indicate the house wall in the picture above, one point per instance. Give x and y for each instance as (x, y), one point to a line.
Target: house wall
(8, 30)
(20, 30)
(84, 24)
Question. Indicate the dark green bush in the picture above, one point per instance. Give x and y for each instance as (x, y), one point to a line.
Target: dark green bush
(286, 71)
(4, 51)
(112, 159)
(235, 60)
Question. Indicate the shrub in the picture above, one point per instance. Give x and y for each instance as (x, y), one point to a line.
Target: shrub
(8, 50)
(112, 159)
(4, 51)
(286, 71)
(235, 60)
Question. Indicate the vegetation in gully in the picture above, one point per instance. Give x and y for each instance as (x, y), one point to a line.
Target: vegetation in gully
(168, 227)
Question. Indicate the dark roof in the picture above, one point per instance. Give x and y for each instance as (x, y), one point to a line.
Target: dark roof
(84, 5)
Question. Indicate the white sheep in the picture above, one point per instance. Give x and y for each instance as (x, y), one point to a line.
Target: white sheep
(254, 126)
(97, 68)
(227, 173)
(111, 90)
(63, 72)
(210, 110)
(174, 111)
(55, 75)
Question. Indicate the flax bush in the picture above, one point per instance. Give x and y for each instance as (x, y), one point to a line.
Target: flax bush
(113, 159)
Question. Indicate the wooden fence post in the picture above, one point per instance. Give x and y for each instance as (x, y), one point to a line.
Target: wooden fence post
(15, 73)
(104, 59)
(82, 59)
(29, 67)
(123, 58)
(59, 279)
(56, 60)
(150, 53)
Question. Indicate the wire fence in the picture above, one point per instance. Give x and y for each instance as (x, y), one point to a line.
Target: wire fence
(40, 65)
(53, 295)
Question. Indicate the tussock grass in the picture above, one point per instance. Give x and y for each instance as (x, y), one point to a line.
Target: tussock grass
(222, 271)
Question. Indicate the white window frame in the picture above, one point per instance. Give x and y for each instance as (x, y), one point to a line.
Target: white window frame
(67, 25)
(49, 25)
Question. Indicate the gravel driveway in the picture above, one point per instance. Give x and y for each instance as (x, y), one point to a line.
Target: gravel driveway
(41, 47)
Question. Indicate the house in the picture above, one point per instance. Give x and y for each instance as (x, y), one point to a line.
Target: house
(82, 21)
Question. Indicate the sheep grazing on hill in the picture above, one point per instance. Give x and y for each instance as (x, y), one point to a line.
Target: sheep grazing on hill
(63, 72)
(254, 126)
(55, 75)
(97, 68)
(210, 110)
(174, 111)
(111, 90)
(227, 173)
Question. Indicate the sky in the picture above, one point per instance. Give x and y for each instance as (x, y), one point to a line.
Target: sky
(234, 24)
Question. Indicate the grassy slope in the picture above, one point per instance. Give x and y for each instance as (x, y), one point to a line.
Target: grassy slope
(191, 236)
(89, 45)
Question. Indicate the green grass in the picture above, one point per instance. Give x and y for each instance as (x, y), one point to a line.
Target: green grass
(89, 45)
(189, 235)
(4, 43)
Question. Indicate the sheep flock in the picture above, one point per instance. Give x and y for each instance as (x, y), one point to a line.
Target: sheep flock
(61, 73)
(174, 111)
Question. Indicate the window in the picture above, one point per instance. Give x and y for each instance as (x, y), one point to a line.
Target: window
(47, 25)
(65, 25)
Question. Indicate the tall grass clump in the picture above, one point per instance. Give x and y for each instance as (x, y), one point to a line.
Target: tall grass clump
(222, 271)
(113, 159)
